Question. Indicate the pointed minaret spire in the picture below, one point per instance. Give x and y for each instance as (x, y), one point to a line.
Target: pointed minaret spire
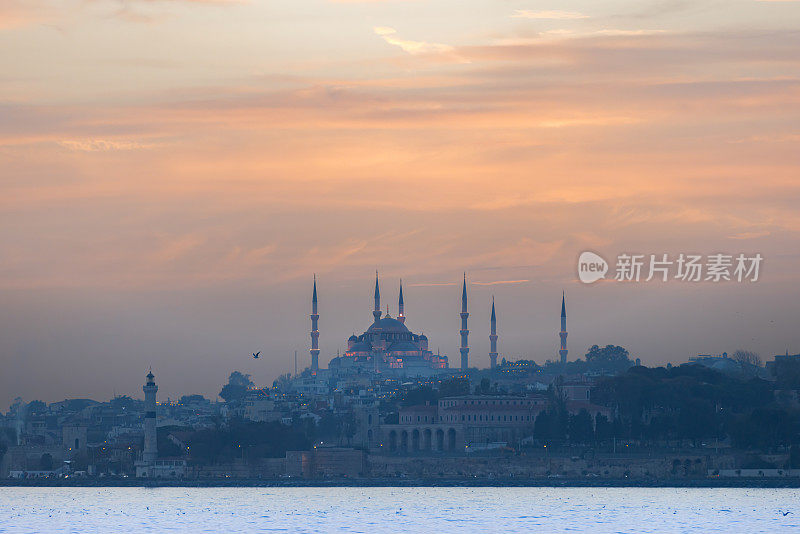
(464, 332)
(493, 339)
(563, 333)
(314, 295)
(464, 294)
(314, 330)
(401, 310)
(376, 311)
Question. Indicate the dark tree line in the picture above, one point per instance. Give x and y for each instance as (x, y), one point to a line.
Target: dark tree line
(679, 406)
(452, 387)
(248, 440)
(694, 403)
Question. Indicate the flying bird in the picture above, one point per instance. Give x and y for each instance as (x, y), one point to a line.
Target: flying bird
(255, 354)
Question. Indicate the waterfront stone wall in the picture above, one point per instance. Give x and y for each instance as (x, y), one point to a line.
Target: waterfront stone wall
(536, 466)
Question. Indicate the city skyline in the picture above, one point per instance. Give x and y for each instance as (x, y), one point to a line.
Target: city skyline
(539, 343)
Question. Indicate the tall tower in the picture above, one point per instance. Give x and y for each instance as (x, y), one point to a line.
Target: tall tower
(401, 314)
(493, 340)
(464, 332)
(376, 312)
(150, 453)
(314, 330)
(563, 333)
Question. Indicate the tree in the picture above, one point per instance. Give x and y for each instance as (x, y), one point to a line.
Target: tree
(604, 429)
(187, 399)
(417, 396)
(608, 354)
(794, 457)
(283, 382)
(696, 420)
(237, 387)
(580, 427)
(611, 358)
(247, 440)
(747, 358)
(542, 426)
(454, 387)
(485, 387)
(748, 361)
(787, 373)
(46, 462)
(124, 402)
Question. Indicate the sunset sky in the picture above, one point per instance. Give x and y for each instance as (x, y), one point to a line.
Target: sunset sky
(173, 172)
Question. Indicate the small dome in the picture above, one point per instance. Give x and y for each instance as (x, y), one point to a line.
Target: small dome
(423, 337)
(353, 338)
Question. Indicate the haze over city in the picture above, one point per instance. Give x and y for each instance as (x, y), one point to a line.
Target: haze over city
(171, 208)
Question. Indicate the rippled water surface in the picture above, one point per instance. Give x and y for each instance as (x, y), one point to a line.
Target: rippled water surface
(635, 510)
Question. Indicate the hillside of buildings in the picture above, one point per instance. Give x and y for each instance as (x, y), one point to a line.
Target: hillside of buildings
(602, 416)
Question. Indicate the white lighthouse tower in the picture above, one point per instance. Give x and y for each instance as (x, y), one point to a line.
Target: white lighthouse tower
(150, 388)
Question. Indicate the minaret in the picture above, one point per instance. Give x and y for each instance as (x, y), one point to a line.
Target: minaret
(401, 315)
(314, 330)
(150, 453)
(563, 333)
(464, 332)
(493, 340)
(376, 312)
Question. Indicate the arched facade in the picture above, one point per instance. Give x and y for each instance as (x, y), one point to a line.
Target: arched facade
(420, 439)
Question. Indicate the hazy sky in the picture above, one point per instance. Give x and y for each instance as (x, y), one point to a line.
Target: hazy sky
(172, 172)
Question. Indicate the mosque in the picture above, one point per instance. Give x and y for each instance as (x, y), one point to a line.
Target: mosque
(389, 348)
(386, 347)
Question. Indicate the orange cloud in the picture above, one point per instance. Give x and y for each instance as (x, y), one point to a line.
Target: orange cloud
(548, 15)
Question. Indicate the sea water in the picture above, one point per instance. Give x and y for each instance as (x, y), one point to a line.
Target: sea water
(373, 510)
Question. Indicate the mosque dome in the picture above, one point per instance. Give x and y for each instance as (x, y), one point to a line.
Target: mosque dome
(353, 338)
(389, 324)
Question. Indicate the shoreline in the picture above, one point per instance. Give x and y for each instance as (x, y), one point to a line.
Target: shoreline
(755, 483)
